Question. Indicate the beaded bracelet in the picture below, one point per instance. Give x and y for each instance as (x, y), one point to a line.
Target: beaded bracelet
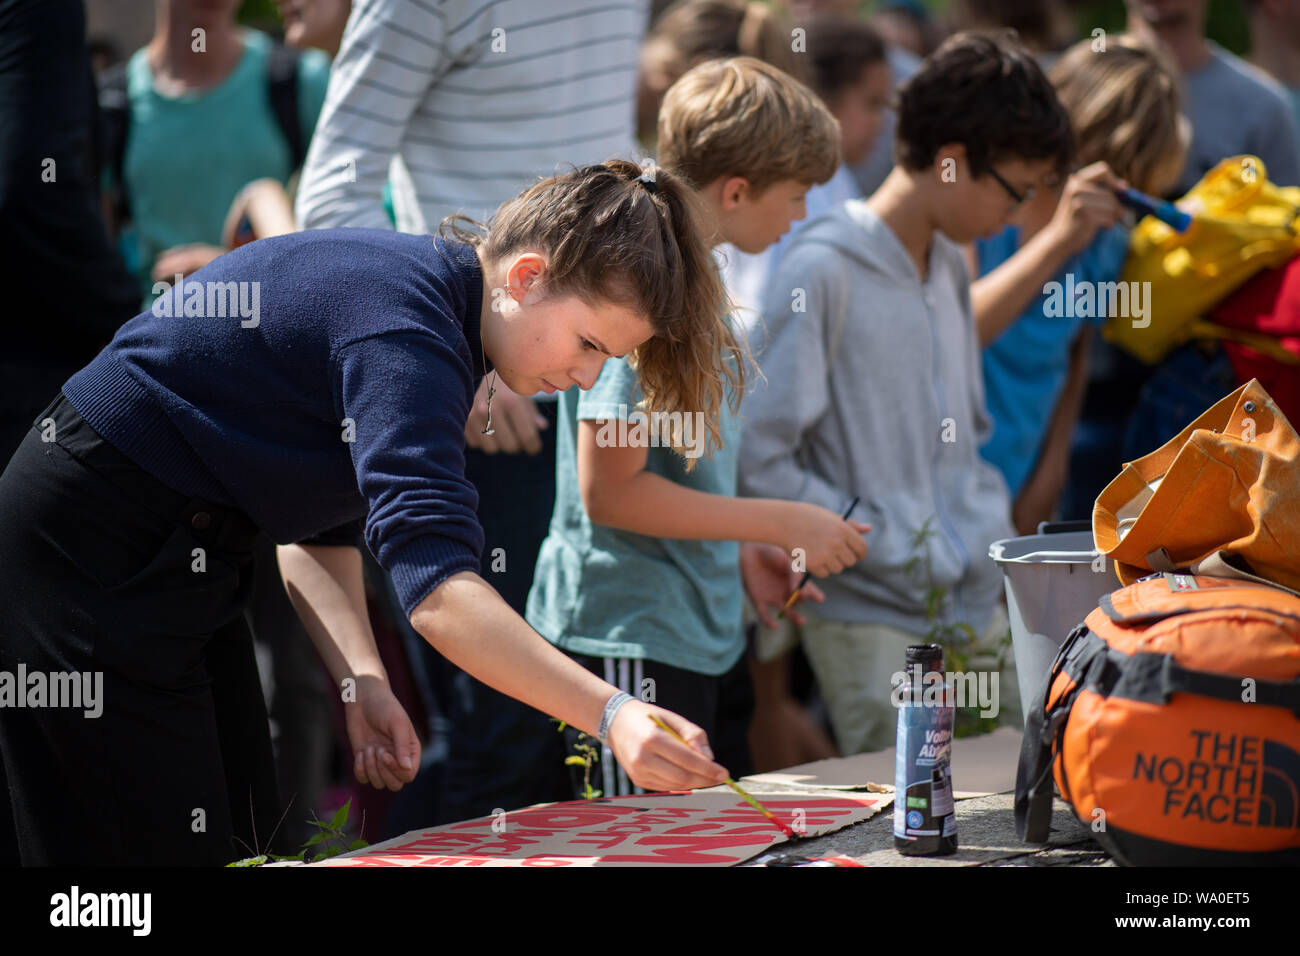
(607, 716)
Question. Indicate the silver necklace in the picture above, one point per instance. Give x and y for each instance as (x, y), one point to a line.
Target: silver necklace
(492, 386)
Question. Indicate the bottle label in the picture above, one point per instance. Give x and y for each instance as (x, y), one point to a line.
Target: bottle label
(941, 792)
(923, 804)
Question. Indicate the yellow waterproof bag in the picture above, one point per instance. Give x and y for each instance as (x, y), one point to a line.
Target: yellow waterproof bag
(1241, 224)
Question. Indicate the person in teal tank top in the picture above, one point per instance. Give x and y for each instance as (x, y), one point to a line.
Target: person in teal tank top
(201, 127)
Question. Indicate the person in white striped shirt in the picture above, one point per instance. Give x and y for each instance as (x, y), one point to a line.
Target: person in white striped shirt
(467, 101)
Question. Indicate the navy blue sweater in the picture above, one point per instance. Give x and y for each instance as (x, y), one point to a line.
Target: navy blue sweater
(341, 395)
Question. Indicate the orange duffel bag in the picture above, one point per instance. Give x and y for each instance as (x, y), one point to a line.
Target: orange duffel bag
(1170, 722)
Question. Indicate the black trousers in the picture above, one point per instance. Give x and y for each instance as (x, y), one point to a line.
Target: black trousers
(108, 573)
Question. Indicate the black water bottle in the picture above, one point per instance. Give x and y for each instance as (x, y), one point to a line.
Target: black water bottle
(925, 822)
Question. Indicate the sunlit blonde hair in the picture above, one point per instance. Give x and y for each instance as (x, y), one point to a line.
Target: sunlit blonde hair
(1125, 109)
(743, 117)
(611, 239)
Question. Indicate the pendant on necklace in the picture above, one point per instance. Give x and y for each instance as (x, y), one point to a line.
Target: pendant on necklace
(492, 388)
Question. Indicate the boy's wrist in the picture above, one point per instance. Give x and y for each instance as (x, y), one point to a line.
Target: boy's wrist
(363, 683)
(1060, 241)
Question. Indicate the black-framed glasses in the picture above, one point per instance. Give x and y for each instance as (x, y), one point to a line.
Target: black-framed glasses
(1019, 198)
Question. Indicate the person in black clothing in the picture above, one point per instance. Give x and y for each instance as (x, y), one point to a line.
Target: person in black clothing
(306, 386)
(53, 240)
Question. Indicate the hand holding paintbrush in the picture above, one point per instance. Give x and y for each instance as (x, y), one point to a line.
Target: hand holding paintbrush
(797, 591)
(734, 786)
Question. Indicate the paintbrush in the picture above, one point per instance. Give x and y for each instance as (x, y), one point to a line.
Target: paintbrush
(1146, 205)
(733, 785)
(795, 596)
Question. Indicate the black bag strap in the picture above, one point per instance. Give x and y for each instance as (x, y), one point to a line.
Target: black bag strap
(1154, 678)
(282, 85)
(1033, 804)
(114, 120)
(1043, 729)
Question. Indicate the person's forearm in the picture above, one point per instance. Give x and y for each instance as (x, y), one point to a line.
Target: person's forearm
(326, 586)
(467, 622)
(1040, 493)
(267, 207)
(652, 505)
(1061, 430)
(1002, 295)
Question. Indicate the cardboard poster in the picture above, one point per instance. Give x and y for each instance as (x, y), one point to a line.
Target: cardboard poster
(980, 765)
(700, 828)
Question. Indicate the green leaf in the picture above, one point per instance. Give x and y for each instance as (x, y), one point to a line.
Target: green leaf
(250, 861)
(575, 761)
(358, 845)
(325, 855)
(318, 838)
(340, 817)
(931, 603)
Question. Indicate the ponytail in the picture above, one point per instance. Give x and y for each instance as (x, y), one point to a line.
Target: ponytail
(610, 238)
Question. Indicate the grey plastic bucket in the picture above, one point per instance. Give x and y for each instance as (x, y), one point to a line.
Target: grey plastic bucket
(1053, 581)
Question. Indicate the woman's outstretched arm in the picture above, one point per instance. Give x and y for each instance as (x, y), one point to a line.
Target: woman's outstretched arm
(468, 623)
